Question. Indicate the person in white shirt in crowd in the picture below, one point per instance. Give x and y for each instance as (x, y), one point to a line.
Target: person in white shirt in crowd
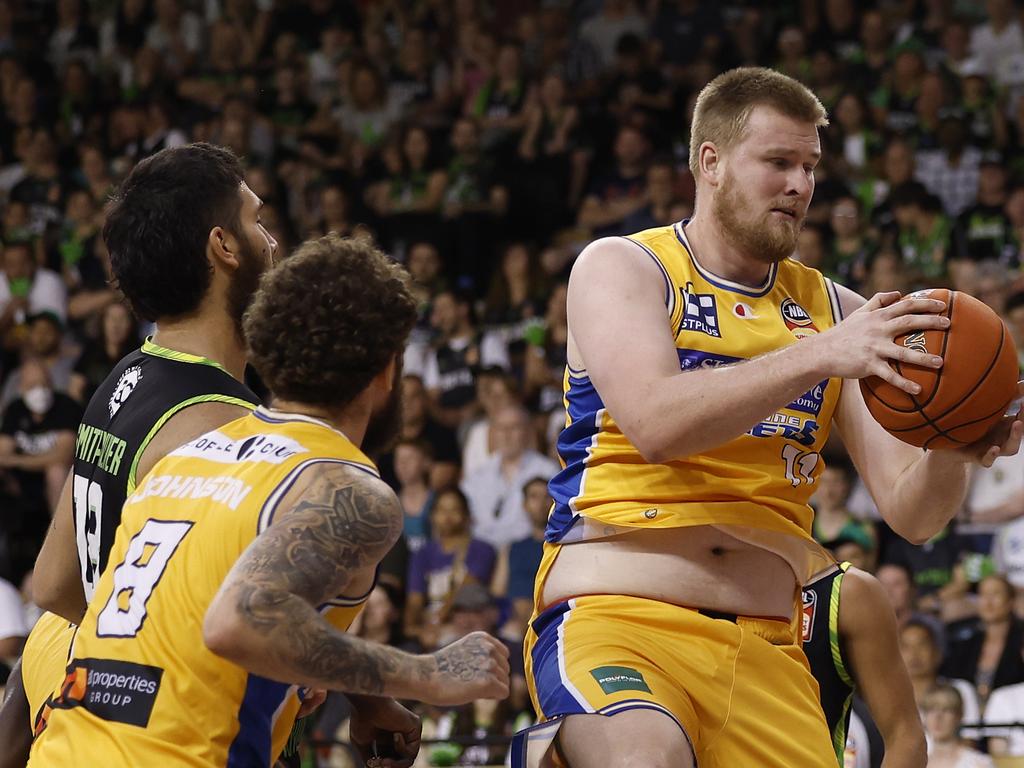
(614, 19)
(27, 289)
(995, 43)
(1005, 707)
(996, 500)
(495, 489)
(460, 350)
(494, 391)
(943, 713)
(922, 655)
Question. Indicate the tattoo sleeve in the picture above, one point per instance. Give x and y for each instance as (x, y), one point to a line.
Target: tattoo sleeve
(344, 524)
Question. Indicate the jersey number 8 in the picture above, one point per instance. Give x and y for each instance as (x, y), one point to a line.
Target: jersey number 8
(144, 563)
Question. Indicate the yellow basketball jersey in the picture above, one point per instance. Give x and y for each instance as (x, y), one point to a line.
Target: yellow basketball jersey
(761, 480)
(141, 687)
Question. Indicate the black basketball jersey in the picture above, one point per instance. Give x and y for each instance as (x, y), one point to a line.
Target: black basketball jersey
(824, 649)
(143, 391)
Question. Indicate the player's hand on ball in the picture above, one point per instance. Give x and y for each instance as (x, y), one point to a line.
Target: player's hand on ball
(1004, 439)
(475, 667)
(862, 345)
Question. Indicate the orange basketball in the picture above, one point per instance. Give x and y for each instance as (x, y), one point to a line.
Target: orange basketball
(963, 399)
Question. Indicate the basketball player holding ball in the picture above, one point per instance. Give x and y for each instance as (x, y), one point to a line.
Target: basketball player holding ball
(705, 370)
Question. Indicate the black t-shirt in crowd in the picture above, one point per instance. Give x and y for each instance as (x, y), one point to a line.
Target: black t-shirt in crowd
(35, 436)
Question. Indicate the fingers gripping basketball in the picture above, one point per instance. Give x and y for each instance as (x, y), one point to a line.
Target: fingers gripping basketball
(961, 401)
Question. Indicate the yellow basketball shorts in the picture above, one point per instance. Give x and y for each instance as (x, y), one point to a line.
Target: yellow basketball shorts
(738, 687)
(44, 660)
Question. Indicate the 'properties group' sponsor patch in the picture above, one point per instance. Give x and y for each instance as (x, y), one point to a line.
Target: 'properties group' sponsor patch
(116, 691)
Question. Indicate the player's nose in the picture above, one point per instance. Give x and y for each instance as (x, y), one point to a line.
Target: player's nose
(799, 183)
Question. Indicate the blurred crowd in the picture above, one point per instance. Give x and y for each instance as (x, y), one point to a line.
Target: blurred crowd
(484, 143)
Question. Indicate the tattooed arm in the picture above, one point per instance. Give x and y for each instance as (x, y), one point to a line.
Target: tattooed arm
(338, 526)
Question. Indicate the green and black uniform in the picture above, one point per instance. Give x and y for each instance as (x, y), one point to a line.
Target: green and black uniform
(145, 389)
(824, 650)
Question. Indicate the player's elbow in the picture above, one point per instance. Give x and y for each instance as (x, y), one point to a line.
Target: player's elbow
(653, 452)
(66, 601)
(45, 596)
(224, 633)
(915, 535)
(916, 531)
(907, 742)
(651, 442)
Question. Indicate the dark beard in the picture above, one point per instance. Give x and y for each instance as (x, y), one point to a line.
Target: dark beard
(385, 426)
(244, 283)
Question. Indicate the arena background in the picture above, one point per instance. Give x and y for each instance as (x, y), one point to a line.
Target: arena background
(483, 144)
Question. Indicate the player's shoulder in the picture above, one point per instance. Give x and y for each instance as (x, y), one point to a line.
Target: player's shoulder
(351, 500)
(350, 484)
(863, 600)
(618, 260)
(860, 583)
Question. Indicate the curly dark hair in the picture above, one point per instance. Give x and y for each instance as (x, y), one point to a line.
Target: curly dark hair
(328, 319)
(159, 221)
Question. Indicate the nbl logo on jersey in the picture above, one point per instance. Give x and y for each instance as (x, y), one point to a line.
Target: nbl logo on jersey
(700, 312)
(797, 319)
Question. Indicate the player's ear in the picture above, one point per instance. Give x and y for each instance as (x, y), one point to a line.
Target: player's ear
(222, 248)
(709, 162)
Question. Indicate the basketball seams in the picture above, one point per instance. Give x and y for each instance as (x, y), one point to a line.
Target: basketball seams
(951, 296)
(945, 432)
(988, 370)
(969, 390)
(898, 367)
(970, 423)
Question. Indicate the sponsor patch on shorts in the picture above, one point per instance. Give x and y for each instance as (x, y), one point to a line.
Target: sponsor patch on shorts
(613, 679)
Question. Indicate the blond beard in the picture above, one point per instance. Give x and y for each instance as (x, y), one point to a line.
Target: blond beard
(765, 240)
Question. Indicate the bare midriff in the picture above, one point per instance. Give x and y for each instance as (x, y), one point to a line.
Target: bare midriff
(697, 567)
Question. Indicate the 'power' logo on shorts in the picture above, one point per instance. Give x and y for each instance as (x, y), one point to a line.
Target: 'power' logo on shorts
(612, 679)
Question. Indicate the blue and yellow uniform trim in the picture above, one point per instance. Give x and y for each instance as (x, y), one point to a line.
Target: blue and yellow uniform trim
(606, 653)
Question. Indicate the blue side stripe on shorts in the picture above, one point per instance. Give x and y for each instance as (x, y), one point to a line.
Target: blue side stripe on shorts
(554, 698)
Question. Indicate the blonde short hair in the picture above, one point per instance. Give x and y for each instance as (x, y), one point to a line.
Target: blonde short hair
(724, 105)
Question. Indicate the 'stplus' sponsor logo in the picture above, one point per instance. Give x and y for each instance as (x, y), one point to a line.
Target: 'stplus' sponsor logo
(700, 312)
